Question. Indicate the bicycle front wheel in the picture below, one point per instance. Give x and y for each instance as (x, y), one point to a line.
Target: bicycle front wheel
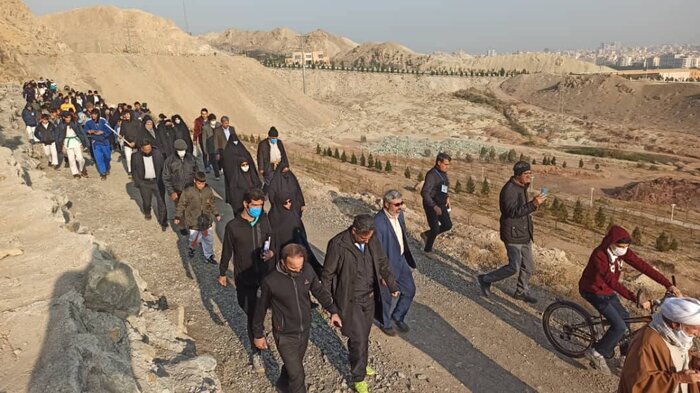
(568, 328)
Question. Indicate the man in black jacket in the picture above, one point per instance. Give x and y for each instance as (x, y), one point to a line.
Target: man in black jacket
(179, 170)
(130, 131)
(248, 240)
(147, 171)
(354, 268)
(271, 153)
(516, 233)
(286, 291)
(436, 201)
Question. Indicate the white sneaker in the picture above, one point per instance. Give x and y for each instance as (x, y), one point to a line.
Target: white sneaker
(597, 361)
(257, 362)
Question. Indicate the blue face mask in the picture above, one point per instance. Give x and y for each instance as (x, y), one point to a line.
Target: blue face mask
(273, 140)
(255, 212)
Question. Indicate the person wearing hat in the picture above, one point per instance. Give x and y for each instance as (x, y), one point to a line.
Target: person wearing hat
(178, 171)
(600, 284)
(271, 153)
(197, 211)
(660, 358)
(71, 139)
(517, 231)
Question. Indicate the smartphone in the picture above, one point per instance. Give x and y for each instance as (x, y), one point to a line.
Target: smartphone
(544, 191)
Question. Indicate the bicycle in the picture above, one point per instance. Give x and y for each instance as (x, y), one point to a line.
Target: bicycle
(572, 330)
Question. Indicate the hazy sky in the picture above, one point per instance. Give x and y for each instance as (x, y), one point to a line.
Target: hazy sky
(444, 25)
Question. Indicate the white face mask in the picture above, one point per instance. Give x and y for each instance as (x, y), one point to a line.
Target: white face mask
(245, 169)
(181, 153)
(619, 251)
(177, 121)
(213, 123)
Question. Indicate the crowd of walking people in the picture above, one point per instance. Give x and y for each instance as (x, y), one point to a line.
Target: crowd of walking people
(366, 276)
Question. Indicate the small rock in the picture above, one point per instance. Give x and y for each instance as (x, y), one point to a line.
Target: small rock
(10, 252)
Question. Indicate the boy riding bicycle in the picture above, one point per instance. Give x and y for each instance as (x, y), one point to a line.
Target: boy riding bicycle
(601, 280)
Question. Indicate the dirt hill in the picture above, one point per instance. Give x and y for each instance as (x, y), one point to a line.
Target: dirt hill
(398, 56)
(21, 34)
(116, 30)
(662, 191)
(278, 41)
(386, 54)
(636, 104)
(180, 74)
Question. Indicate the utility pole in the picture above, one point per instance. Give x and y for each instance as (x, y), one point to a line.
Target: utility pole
(673, 207)
(184, 11)
(303, 64)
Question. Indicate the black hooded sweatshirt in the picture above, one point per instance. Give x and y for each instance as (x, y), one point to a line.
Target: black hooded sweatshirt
(244, 244)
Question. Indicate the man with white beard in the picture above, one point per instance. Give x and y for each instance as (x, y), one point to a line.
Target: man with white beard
(660, 358)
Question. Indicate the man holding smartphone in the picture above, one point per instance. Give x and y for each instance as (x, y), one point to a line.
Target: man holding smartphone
(286, 291)
(517, 232)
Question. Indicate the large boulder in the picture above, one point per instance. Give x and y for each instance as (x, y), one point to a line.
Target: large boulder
(111, 286)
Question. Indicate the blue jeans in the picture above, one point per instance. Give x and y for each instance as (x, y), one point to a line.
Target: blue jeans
(615, 313)
(407, 288)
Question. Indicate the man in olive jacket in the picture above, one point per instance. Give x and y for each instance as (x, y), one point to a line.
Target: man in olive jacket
(354, 268)
(516, 232)
(195, 202)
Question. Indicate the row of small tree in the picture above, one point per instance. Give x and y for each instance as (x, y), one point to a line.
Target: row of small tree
(582, 216)
(369, 161)
(397, 70)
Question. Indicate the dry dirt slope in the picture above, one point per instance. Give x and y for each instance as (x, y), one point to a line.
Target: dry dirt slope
(280, 41)
(236, 86)
(21, 34)
(116, 30)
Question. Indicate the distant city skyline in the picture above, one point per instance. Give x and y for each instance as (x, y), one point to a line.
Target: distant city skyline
(443, 25)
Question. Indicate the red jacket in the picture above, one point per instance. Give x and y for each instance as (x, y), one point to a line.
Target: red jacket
(197, 131)
(601, 277)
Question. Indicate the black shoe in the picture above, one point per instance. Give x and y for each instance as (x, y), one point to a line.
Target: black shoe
(76, 176)
(485, 286)
(103, 177)
(190, 252)
(402, 326)
(424, 236)
(84, 173)
(388, 331)
(147, 216)
(212, 260)
(164, 227)
(525, 297)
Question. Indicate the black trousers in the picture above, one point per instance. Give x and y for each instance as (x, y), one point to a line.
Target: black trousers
(292, 348)
(148, 190)
(438, 224)
(214, 160)
(357, 332)
(247, 298)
